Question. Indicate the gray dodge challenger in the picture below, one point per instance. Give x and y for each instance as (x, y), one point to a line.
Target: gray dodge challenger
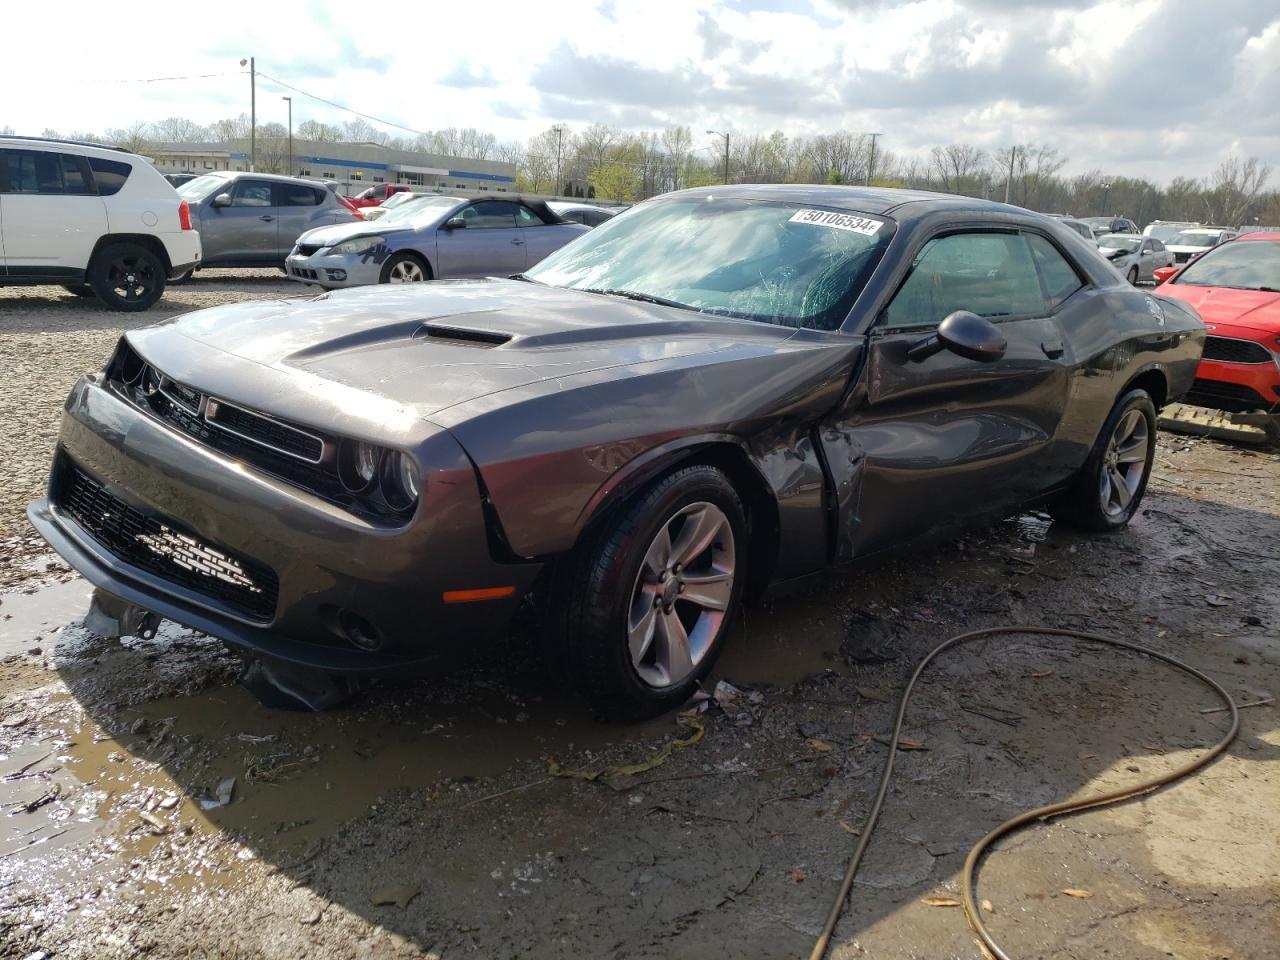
(719, 392)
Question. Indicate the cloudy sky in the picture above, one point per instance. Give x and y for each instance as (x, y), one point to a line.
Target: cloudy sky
(1154, 88)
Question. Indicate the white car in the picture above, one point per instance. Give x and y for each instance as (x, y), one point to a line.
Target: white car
(98, 220)
(1189, 244)
(1134, 255)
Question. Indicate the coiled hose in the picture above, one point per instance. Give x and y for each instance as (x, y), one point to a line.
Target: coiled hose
(968, 876)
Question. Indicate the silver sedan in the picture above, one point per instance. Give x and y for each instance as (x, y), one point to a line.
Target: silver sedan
(432, 238)
(1133, 255)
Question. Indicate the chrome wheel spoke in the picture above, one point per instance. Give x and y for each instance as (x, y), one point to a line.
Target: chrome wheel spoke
(674, 658)
(1134, 452)
(1120, 488)
(700, 529)
(643, 623)
(658, 556)
(710, 590)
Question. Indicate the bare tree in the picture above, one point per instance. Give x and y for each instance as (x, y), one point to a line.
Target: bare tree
(678, 142)
(136, 137)
(179, 130)
(959, 167)
(1234, 189)
(232, 128)
(318, 132)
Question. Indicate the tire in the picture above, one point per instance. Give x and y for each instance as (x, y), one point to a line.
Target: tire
(126, 277)
(78, 289)
(1106, 493)
(405, 268)
(1272, 430)
(618, 587)
(1133, 276)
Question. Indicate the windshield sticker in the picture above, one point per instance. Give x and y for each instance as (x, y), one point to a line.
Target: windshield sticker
(839, 221)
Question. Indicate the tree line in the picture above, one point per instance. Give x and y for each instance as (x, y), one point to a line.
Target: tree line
(610, 163)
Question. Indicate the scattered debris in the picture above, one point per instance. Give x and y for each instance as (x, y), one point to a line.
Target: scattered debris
(158, 827)
(797, 875)
(988, 906)
(820, 745)
(394, 894)
(1076, 892)
(660, 756)
(222, 796)
(1240, 706)
(940, 901)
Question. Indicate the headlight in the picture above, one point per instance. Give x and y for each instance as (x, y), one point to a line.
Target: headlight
(401, 482)
(358, 464)
(357, 245)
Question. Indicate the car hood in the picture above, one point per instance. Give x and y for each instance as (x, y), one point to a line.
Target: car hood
(415, 350)
(1247, 308)
(328, 236)
(1183, 248)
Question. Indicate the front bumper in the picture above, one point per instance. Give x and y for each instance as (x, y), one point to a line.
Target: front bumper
(328, 562)
(183, 248)
(1239, 387)
(333, 270)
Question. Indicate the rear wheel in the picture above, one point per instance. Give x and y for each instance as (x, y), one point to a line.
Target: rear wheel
(1109, 487)
(643, 606)
(1133, 276)
(405, 268)
(126, 276)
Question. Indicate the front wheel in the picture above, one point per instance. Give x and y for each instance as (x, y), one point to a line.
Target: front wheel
(1133, 276)
(643, 606)
(1106, 493)
(405, 268)
(127, 277)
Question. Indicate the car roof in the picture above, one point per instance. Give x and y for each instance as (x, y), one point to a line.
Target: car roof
(275, 177)
(873, 200)
(66, 142)
(1125, 236)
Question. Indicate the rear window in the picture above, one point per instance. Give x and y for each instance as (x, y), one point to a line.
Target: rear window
(110, 175)
(298, 195)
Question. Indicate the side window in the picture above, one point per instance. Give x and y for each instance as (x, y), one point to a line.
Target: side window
(990, 274)
(251, 193)
(489, 214)
(593, 219)
(1059, 278)
(109, 175)
(43, 172)
(527, 218)
(296, 195)
(1156, 245)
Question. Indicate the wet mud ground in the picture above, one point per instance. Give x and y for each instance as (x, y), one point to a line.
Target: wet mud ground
(422, 820)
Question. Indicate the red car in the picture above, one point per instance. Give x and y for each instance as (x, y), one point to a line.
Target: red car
(1236, 288)
(374, 195)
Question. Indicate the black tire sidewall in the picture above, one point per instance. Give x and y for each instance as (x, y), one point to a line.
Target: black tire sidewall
(385, 276)
(99, 281)
(1097, 518)
(604, 592)
(1132, 276)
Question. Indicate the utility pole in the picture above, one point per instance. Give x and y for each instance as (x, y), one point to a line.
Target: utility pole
(559, 137)
(289, 169)
(253, 114)
(717, 133)
(1013, 153)
(871, 163)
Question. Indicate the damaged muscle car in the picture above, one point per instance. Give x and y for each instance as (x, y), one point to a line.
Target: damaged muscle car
(717, 392)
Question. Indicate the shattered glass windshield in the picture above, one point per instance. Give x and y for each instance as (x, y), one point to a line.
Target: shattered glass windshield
(769, 261)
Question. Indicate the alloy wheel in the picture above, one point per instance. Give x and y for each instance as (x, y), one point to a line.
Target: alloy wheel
(1124, 463)
(681, 594)
(405, 271)
(132, 278)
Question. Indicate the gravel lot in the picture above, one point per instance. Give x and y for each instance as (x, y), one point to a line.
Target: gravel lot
(48, 338)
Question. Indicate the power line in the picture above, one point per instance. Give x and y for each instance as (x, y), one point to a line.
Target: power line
(341, 106)
(194, 76)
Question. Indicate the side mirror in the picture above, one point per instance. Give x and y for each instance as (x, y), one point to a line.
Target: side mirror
(966, 335)
(1162, 274)
(455, 223)
(222, 200)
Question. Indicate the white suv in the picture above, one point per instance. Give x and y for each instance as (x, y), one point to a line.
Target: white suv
(98, 220)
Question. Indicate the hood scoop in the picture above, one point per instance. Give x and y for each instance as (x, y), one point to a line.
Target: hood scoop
(462, 336)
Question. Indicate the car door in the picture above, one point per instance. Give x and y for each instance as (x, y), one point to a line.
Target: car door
(299, 208)
(945, 438)
(490, 245)
(542, 238)
(244, 231)
(53, 216)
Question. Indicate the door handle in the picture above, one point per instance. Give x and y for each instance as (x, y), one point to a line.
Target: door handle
(267, 218)
(1052, 348)
(516, 240)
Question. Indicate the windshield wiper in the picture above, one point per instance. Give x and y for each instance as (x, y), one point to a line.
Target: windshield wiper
(637, 295)
(525, 277)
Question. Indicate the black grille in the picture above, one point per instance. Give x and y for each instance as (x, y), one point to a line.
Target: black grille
(1232, 397)
(268, 432)
(1181, 257)
(1231, 350)
(304, 273)
(307, 249)
(164, 548)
